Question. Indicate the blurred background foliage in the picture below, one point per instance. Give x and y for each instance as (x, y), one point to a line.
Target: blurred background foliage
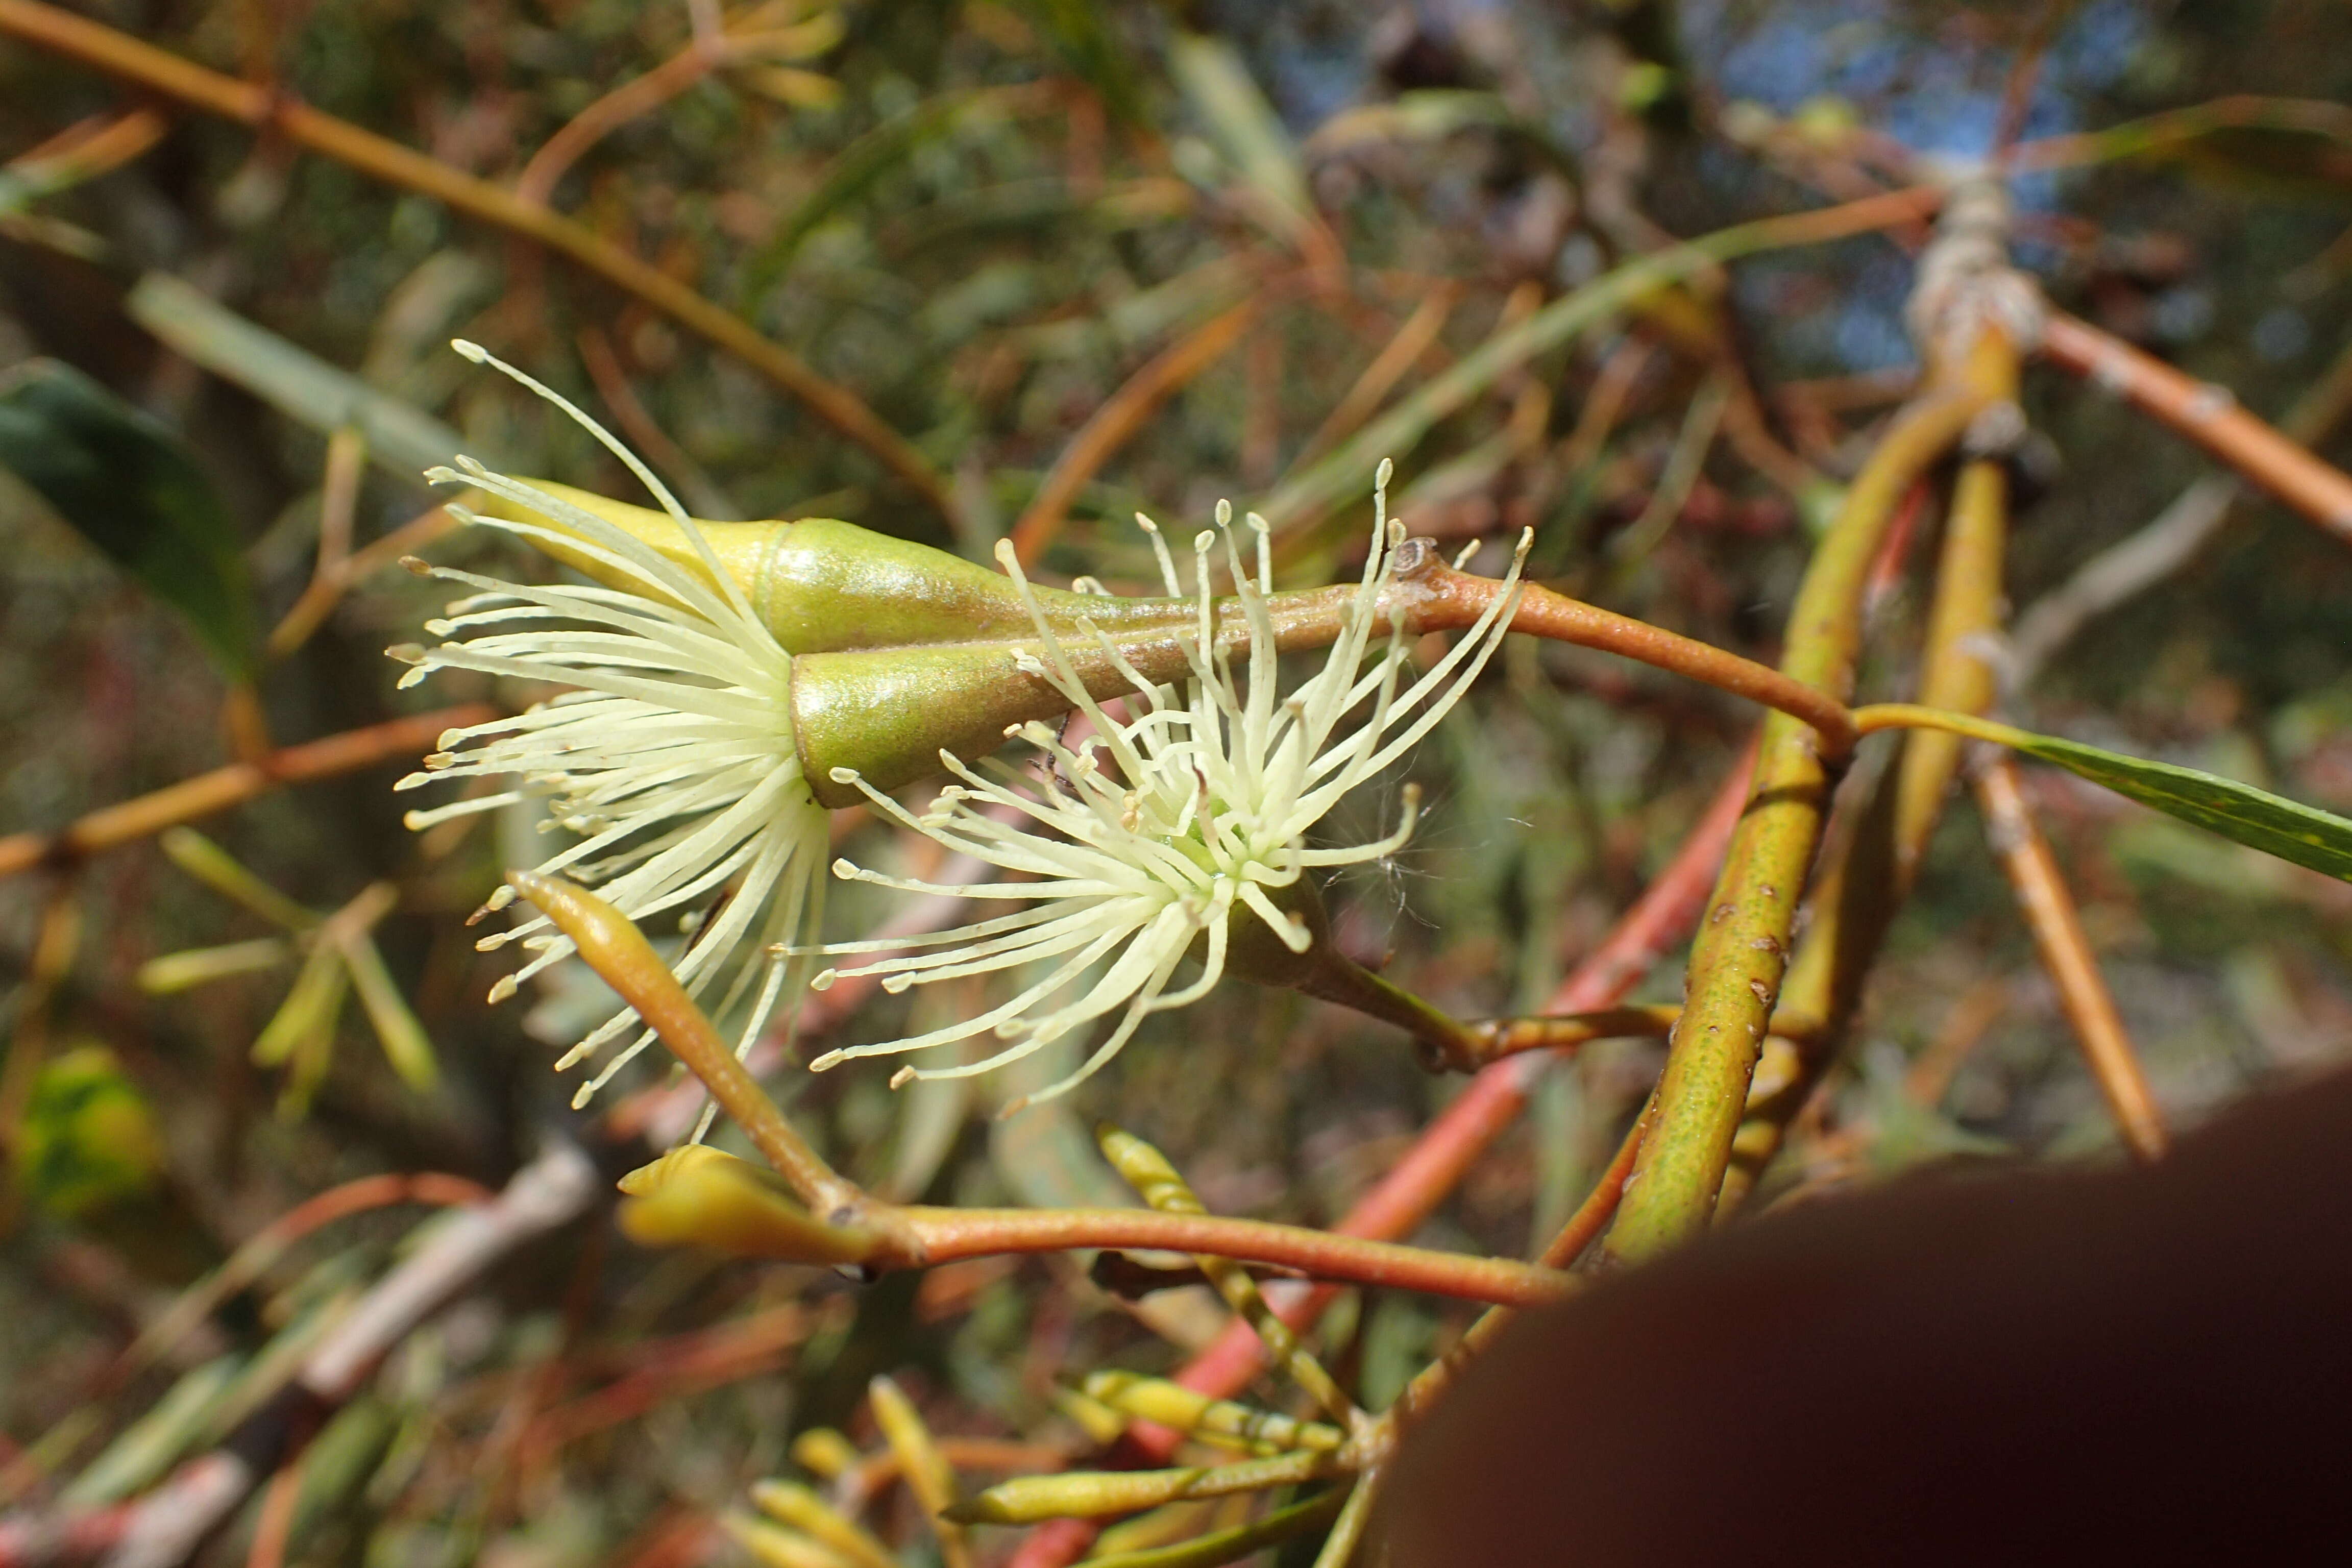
(1258, 225)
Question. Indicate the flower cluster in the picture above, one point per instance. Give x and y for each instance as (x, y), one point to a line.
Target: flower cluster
(670, 756)
(1183, 812)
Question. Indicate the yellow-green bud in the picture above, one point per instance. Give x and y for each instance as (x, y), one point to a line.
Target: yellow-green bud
(696, 1195)
(821, 585)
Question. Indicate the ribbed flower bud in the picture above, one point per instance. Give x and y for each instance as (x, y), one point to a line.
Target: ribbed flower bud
(901, 651)
(695, 1196)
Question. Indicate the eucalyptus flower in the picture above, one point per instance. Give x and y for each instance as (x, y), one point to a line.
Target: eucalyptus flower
(670, 756)
(1179, 825)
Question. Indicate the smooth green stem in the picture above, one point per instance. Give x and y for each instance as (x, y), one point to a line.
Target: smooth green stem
(1742, 947)
(1877, 716)
(619, 953)
(1859, 893)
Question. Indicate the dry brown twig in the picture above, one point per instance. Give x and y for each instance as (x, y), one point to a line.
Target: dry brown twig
(2048, 909)
(164, 1528)
(2208, 415)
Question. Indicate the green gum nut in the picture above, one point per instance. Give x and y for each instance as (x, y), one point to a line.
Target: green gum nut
(887, 713)
(821, 585)
(695, 1196)
(901, 651)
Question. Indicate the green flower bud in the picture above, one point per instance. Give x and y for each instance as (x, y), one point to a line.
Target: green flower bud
(821, 585)
(696, 1195)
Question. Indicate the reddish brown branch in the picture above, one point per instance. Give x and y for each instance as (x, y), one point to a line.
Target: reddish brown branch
(2208, 415)
(2048, 909)
(1452, 598)
(946, 1234)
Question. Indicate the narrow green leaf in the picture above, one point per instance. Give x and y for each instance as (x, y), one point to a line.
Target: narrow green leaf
(312, 1006)
(130, 487)
(403, 440)
(406, 1044)
(174, 971)
(1433, 114)
(2273, 824)
(2257, 819)
(1247, 130)
(138, 1458)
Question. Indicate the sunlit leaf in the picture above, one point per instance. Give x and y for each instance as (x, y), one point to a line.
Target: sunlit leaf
(130, 487)
(2273, 824)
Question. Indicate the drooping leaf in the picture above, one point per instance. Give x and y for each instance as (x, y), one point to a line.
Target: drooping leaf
(130, 487)
(2283, 161)
(403, 440)
(1219, 86)
(2273, 824)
